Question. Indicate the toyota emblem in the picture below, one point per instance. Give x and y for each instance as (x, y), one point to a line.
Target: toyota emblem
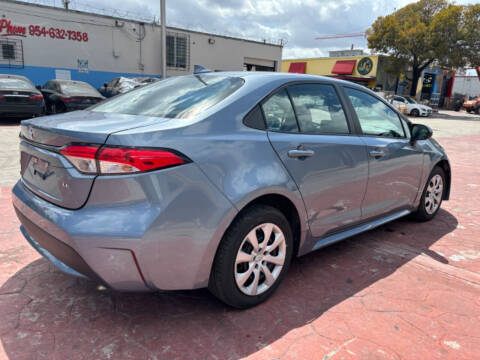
(31, 133)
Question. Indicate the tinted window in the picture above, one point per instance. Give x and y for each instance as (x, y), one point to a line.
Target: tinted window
(254, 119)
(176, 97)
(78, 88)
(13, 83)
(375, 117)
(318, 109)
(279, 114)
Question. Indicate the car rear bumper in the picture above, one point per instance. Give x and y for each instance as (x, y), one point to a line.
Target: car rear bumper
(21, 109)
(133, 234)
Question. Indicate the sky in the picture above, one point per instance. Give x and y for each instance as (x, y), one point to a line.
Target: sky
(297, 22)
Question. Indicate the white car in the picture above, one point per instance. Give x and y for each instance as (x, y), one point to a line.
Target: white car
(413, 108)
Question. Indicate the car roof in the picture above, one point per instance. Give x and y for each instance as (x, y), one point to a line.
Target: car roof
(8, 76)
(267, 76)
(70, 81)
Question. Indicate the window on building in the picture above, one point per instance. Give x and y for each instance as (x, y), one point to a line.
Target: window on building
(8, 51)
(178, 51)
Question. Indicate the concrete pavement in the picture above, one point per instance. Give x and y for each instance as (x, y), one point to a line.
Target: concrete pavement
(403, 291)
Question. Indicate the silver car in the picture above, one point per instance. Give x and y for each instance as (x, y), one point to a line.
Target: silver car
(219, 180)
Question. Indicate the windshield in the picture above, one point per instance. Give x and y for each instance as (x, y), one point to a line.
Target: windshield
(11, 83)
(78, 88)
(410, 100)
(177, 97)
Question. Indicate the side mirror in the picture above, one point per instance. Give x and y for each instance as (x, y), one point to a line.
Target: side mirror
(105, 85)
(420, 132)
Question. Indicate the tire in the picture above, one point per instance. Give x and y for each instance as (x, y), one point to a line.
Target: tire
(426, 211)
(468, 110)
(226, 275)
(58, 108)
(415, 112)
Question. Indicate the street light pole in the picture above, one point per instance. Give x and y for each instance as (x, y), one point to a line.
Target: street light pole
(163, 54)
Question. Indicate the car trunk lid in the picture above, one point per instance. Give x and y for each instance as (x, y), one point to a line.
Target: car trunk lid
(48, 173)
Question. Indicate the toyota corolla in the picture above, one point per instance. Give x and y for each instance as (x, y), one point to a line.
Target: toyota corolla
(219, 180)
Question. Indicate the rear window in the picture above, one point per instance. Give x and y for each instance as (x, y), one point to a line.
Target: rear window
(12, 84)
(177, 97)
(83, 89)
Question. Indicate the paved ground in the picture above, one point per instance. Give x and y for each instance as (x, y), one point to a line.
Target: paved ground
(403, 291)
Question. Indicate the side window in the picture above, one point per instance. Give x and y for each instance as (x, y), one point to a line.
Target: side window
(318, 109)
(279, 114)
(375, 117)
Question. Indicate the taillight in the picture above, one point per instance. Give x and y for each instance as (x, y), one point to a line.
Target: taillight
(67, 100)
(36, 97)
(82, 157)
(117, 160)
(2, 96)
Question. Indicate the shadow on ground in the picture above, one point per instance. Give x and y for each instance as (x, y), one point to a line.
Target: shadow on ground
(51, 315)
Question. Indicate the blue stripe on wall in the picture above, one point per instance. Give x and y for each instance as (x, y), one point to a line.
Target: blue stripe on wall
(39, 75)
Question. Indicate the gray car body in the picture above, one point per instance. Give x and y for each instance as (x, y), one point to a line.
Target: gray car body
(161, 229)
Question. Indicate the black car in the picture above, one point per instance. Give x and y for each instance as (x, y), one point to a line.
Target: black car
(68, 95)
(19, 98)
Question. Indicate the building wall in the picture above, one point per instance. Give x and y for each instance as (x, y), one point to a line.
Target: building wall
(115, 47)
(324, 66)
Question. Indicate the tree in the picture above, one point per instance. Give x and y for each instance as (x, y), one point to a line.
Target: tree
(426, 32)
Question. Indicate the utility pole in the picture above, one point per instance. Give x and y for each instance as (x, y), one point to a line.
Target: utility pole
(163, 55)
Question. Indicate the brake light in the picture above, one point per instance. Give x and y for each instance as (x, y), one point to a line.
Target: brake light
(2, 96)
(36, 97)
(67, 100)
(116, 160)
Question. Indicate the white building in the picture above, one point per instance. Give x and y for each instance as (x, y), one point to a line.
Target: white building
(44, 43)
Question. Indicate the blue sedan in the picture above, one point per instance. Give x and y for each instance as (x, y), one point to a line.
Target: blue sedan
(219, 180)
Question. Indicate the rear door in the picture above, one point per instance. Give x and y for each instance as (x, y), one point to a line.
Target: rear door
(308, 128)
(395, 166)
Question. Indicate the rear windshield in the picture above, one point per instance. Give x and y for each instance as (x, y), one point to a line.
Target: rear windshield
(83, 89)
(177, 97)
(10, 83)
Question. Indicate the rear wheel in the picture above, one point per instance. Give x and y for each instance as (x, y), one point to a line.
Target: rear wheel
(415, 112)
(252, 258)
(58, 108)
(432, 196)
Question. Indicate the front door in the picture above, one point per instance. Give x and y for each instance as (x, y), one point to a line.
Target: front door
(395, 166)
(308, 129)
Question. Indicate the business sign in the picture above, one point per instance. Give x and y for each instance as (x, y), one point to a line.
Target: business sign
(7, 28)
(364, 66)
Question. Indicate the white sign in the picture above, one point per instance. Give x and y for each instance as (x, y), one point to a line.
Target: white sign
(82, 66)
(62, 74)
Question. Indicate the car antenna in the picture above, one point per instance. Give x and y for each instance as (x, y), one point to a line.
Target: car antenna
(199, 69)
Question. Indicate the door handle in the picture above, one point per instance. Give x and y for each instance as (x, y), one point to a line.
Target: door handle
(300, 153)
(377, 153)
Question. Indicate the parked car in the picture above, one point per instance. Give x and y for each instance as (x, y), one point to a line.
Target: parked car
(68, 95)
(413, 108)
(19, 97)
(218, 180)
(472, 105)
(121, 85)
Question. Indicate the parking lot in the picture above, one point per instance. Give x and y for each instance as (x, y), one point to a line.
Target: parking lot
(403, 291)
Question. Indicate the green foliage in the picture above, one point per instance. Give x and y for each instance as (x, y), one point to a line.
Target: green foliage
(428, 31)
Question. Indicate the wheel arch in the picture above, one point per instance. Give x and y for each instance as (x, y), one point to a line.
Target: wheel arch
(445, 166)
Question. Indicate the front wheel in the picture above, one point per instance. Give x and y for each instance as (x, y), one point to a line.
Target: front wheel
(415, 113)
(252, 258)
(432, 196)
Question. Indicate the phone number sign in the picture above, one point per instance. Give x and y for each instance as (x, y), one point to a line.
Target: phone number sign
(9, 29)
